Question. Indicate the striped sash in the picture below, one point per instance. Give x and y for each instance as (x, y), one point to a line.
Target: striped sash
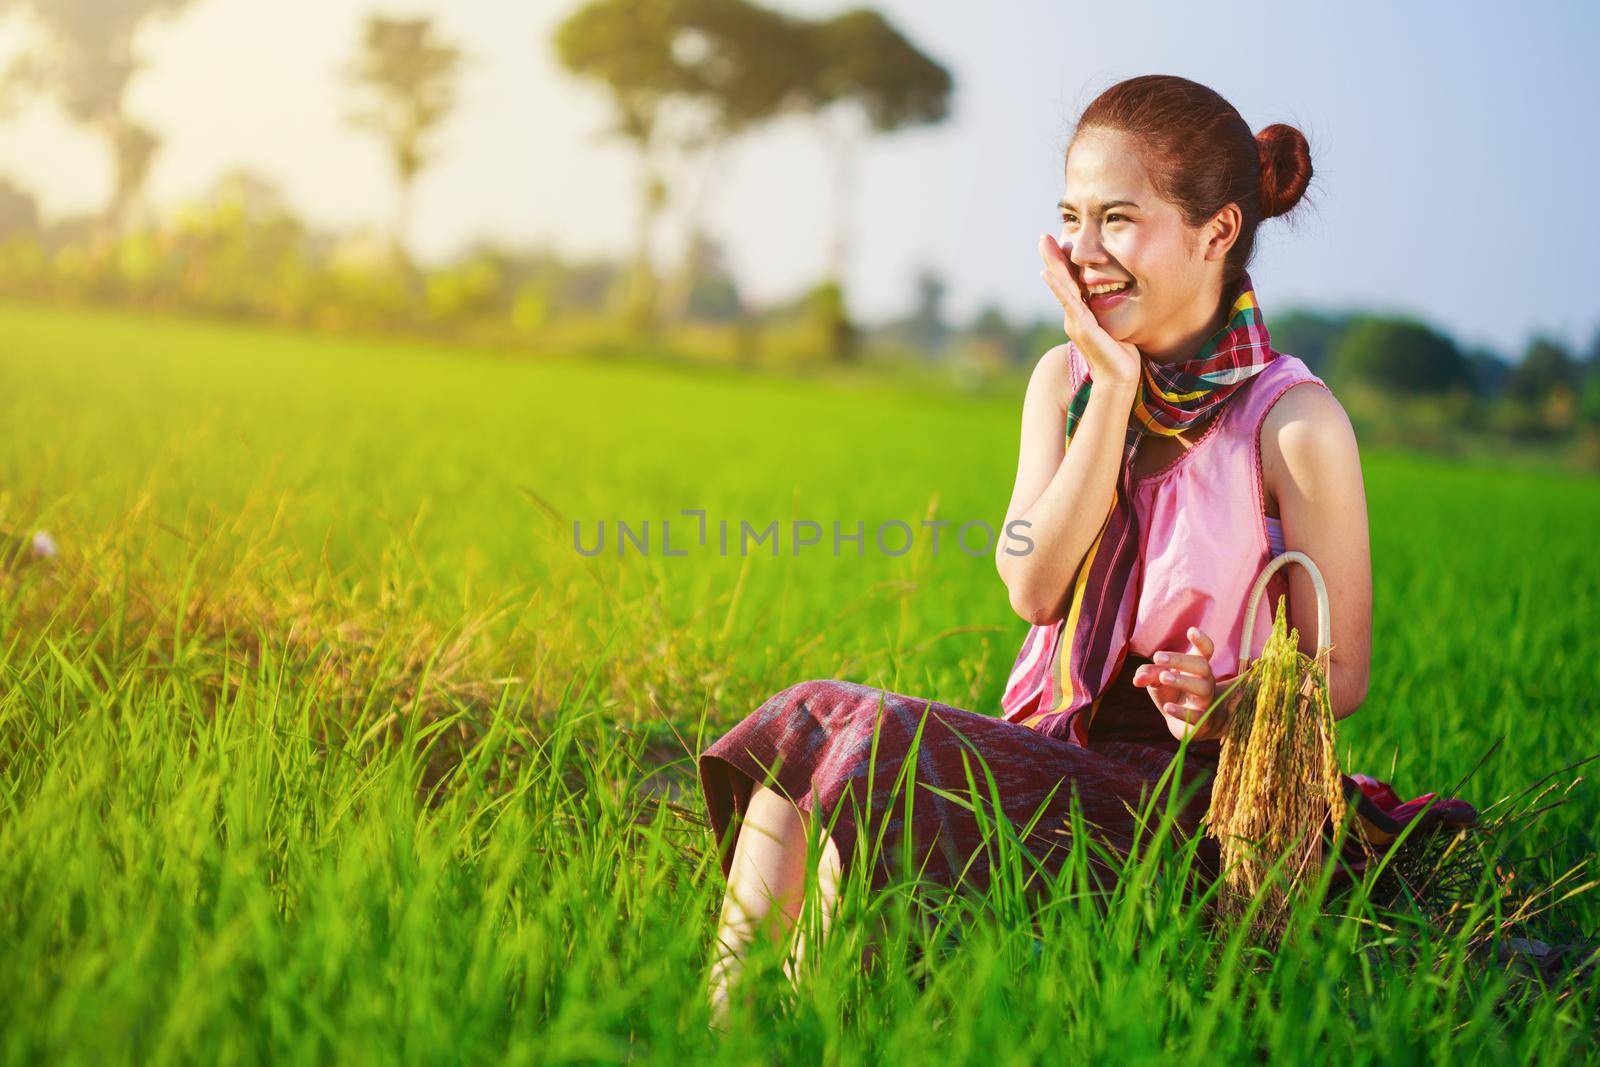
(1064, 666)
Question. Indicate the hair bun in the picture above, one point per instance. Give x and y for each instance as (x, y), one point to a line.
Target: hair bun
(1285, 168)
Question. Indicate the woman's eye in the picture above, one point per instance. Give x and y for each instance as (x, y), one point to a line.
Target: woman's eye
(1124, 218)
(1067, 220)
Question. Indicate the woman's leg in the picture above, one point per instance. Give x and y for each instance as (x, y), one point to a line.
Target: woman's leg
(766, 888)
(829, 871)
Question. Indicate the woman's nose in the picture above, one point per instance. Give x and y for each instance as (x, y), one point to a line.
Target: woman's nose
(1086, 247)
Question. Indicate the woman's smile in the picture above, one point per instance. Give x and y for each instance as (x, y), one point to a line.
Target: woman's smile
(1104, 299)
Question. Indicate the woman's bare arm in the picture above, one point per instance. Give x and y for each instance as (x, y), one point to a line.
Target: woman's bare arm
(1311, 465)
(1062, 495)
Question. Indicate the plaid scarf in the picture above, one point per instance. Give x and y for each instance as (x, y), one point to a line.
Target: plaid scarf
(1065, 666)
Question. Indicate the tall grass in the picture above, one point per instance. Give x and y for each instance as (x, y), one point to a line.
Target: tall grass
(322, 745)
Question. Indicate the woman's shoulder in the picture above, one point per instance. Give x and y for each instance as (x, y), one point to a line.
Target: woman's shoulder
(1304, 427)
(1295, 397)
(1059, 359)
(1053, 377)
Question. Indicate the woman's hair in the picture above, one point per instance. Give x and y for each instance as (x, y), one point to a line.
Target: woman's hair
(1201, 155)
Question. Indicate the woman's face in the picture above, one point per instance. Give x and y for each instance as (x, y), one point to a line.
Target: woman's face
(1121, 231)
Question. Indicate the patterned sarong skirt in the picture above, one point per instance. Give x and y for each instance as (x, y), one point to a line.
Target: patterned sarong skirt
(839, 750)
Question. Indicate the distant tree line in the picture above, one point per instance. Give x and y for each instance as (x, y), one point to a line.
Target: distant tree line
(1402, 379)
(242, 252)
(1385, 361)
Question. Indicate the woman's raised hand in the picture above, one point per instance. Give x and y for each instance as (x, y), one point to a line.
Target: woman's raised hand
(1182, 686)
(1109, 360)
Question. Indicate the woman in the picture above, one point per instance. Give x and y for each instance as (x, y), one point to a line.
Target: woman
(1197, 454)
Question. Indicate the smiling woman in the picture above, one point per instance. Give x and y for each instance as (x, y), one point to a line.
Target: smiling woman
(1160, 446)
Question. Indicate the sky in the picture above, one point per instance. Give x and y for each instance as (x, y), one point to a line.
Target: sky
(1454, 147)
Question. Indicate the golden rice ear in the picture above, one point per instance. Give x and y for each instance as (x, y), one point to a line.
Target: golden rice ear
(1277, 782)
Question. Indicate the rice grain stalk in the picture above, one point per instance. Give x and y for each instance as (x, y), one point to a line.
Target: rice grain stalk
(1277, 782)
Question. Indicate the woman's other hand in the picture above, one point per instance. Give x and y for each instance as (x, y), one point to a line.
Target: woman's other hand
(1182, 686)
(1108, 359)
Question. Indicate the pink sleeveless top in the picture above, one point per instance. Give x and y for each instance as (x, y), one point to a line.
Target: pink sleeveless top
(1204, 535)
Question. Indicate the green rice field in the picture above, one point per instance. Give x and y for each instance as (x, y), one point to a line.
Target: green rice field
(323, 742)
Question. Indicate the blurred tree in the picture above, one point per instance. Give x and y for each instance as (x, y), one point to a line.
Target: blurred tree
(257, 195)
(1545, 368)
(684, 78)
(1308, 334)
(1589, 400)
(240, 251)
(829, 321)
(991, 339)
(632, 48)
(713, 293)
(1039, 337)
(743, 65)
(473, 288)
(926, 328)
(19, 212)
(82, 55)
(1489, 371)
(862, 64)
(536, 286)
(747, 62)
(1400, 356)
(990, 323)
(406, 76)
(1546, 384)
(1589, 391)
